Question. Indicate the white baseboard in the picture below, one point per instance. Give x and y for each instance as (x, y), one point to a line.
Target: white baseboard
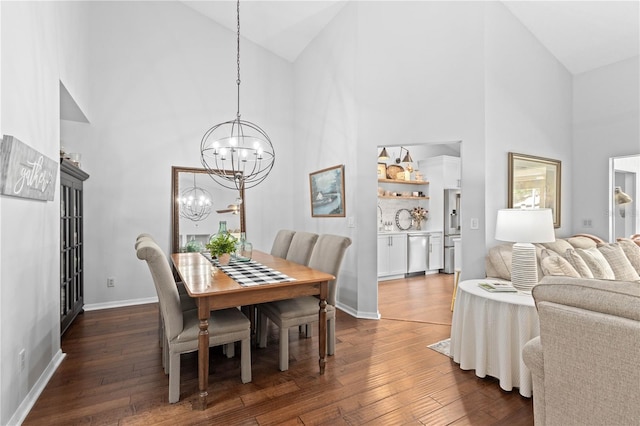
(358, 314)
(119, 304)
(33, 395)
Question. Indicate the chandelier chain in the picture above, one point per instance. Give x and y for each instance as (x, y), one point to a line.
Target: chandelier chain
(238, 55)
(237, 154)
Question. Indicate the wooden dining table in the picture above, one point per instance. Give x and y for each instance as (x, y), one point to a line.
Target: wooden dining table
(213, 291)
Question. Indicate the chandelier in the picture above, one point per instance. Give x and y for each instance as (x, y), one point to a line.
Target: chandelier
(195, 203)
(237, 154)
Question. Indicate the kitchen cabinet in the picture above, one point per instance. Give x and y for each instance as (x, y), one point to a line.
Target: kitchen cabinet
(392, 255)
(436, 260)
(444, 170)
(71, 243)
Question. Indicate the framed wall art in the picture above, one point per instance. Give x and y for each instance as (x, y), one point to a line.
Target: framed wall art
(327, 192)
(534, 182)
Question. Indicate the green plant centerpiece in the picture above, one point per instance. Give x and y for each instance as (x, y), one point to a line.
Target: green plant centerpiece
(220, 244)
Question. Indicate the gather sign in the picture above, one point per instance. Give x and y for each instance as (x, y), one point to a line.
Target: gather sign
(25, 172)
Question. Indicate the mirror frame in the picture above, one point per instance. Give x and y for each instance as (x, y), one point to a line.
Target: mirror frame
(175, 213)
(520, 162)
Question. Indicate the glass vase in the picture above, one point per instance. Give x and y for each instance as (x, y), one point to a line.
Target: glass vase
(243, 249)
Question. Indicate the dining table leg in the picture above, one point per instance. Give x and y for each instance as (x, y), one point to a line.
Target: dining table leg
(203, 353)
(322, 326)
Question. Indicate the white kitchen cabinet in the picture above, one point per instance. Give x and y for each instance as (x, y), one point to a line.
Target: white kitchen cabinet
(436, 260)
(392, 255)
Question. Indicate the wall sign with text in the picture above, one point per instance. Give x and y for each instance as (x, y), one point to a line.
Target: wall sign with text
(25, 172)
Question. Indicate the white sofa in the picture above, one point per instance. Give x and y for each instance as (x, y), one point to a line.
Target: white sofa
(580, 256)
(585, 363)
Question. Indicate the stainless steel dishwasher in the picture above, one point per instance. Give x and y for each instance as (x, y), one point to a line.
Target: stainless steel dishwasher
(417, 252)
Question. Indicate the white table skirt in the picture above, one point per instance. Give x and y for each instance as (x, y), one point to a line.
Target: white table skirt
(488, 332)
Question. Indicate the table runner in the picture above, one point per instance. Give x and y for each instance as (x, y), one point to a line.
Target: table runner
(252, 273)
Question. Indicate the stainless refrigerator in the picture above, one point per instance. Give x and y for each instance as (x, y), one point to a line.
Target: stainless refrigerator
(451, 227)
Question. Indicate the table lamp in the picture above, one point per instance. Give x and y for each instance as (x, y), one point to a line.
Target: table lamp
(524, 227)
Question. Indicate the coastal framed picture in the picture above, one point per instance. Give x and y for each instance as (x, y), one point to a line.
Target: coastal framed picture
(534, 183)
(326, 188)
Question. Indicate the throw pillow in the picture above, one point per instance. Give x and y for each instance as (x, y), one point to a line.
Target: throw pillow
(597, 263)
(578, 263)
(559, 246)
(581, 242)
(552, 264)
(632, 250)
(618, 261)
(498, 262)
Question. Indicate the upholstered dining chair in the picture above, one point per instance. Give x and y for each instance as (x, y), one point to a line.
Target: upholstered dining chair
(182, 327)
(327, 256)
(281, 243)
(301, 247)
(186, 301)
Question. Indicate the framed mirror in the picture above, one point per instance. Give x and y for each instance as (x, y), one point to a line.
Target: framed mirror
(198, 206)
(534, 182)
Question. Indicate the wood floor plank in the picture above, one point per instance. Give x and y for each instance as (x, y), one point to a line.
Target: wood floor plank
(382, 373)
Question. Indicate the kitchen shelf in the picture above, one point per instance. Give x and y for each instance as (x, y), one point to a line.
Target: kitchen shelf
(408, 182)
(403, 197)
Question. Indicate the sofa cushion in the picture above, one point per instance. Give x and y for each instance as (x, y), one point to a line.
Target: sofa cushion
(597, 263)
(622, 268)
(581, 242)
(559, 246)
(632, 251)
(553, 264)
(578, 263)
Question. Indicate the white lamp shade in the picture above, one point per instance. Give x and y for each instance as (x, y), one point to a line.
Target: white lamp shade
(525, 226)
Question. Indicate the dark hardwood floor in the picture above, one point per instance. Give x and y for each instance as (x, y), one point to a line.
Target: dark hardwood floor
(382, 373)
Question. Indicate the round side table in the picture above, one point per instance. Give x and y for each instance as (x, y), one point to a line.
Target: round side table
(489, 330)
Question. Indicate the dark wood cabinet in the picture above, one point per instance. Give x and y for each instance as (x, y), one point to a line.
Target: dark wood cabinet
(71, 243)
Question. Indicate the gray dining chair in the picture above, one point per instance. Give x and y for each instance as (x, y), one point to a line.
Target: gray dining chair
(281, 243)
(186, 301)
(327, 256)
(226, 326)
(301, 247)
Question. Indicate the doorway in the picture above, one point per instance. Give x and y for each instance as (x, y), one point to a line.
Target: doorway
(388, 208)
(624, 190)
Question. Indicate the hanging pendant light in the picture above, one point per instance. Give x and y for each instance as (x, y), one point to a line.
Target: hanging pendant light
(195, 203)
(237, 154)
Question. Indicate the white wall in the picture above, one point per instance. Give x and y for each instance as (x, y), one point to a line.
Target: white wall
(357, 87)
(528, 110)
(40, 47)
(162, 75)
(326, 135)
(606, 123)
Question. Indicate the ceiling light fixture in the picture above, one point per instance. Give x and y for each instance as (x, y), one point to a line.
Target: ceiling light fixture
(383, 155)
(237, 154)
(407, 158)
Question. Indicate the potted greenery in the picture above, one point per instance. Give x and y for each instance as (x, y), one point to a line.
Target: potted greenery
(221, 244)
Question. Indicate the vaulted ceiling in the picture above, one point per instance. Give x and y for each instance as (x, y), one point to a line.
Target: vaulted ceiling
(582, 35)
